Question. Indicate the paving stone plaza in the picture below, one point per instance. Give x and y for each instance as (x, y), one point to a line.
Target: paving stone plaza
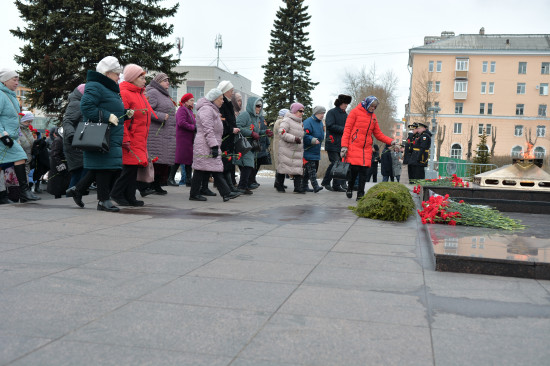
(267, 279)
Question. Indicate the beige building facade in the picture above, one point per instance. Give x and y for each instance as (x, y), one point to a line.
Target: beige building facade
(497, 84)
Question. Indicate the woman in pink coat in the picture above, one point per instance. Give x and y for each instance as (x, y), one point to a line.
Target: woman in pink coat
(185, 134)
(206, 148)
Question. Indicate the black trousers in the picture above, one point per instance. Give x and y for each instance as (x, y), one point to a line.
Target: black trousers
(417, 172)
(361, 171)
(333, 156)
(126, 185)
(246, 171)
(198, 178)
(104, 179)
(372, 172)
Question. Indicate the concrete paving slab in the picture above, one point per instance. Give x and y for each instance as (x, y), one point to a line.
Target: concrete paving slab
(182, 246)
(277, 255)
(14, 346)
(37, 254)
(269, 240)
(362, 247)
(99, 242)
(13, 274)
(372, 262)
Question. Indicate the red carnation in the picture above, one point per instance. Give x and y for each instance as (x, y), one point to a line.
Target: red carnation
(155, 159)
(21, 114)
(229, 158)
(307, 131)
(240, 156)
(251, 127)
(283, 131)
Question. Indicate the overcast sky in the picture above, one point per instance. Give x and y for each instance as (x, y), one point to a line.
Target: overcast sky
(346, 35)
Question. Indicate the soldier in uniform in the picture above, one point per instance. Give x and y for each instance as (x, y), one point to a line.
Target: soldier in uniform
(420, 151)
(408, 148)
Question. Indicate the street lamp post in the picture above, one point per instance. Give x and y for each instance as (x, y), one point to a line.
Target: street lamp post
(434, 110)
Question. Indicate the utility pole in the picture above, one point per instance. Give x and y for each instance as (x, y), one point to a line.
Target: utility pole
(434, 110)
(218, 46)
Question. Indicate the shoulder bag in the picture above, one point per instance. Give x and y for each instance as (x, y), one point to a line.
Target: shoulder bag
(92, 136)
(341, 170)
(241, 144)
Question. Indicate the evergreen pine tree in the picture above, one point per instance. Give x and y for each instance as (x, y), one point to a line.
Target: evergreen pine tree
(286, 77)
(483, 156)
(63, 39)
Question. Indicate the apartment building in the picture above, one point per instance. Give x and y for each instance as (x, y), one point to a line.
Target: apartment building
(492, 83)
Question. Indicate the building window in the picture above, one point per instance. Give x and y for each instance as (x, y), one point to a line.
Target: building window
(543, 89)
(197, 91)
(456, 151)
(458, 108)
(491, 88)
(484, 67)
(545, 68)
(439, 66)
(489, 108)
(517, 152)
(462, 64)
(483, 87)
(436, 104)
(480, 129)
(430, 86)
(493, 67)
(521, 88)
(542, 110)
(431, 66)
(481, 108)
(541, 131)
(488, 129)
(437, 86)
(519, 109)
(539, 152)
(173, 92)
(461, 86)
(518, 130)
(522, 68)
(457, 128)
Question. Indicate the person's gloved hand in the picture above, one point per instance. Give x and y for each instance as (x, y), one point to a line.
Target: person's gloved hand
(61, 167)
(255, 135)
(126, 145)
(214, 151)
(7, 140)
(113, 119)
(269, 133)
(343, 152)
(130, 113)
(297, 140)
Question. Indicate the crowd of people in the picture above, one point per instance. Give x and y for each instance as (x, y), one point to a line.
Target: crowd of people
(152, 136)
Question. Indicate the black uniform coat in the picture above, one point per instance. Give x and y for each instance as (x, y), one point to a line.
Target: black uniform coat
(421, 149)
(335, 122)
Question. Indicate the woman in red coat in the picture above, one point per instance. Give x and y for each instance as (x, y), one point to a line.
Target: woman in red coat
(136, 130)
(361, 124)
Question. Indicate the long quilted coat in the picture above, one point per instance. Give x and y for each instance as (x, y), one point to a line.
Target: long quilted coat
(185, 133)
(9, 122)
(290, 159)
(357, 137)
(136, 129)
(162, 135)
(248, 121)
(102, 94)
(70, 121)
(209, 134)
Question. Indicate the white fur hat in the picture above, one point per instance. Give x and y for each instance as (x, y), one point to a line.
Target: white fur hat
(109, 63)
(225, 86)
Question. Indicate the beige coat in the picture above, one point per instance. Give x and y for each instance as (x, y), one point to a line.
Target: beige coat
(275, 143)
(290, 154)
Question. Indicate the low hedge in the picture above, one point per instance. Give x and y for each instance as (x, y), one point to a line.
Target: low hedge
(388, 201)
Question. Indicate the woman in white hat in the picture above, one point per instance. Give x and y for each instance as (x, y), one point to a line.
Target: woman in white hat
(11, 151)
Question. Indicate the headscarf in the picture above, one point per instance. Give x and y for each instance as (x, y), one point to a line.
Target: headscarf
(368, 101)
(235, 101)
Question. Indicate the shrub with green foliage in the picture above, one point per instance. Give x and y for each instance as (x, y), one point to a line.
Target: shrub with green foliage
(388, 201)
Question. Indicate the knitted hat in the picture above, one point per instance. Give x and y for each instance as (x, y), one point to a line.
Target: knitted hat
(28, 116)
(109, 63)
(283, 111)
(81, 88)
(213, 94)
(225, 86)
(6, 74)
(159, 78)
(186, 97)
(132, 72)
(342, 99)
(319, 109)
(295, 107)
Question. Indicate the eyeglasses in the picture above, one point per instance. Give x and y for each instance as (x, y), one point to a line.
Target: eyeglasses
(301, 111)
(258, 106)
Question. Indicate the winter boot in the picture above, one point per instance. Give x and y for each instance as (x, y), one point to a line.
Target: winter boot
(172, 176)
(4, 198)
(279, 182)
(312, 174)
(229, 181)
(298, 188)
(25, 193)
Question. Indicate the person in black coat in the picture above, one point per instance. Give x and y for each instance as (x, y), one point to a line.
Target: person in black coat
(386, 162)
(375, 159)
(229, 130)
(420, 152)
(58, 176)
(407, 148)
(335, 121)
(72, 117)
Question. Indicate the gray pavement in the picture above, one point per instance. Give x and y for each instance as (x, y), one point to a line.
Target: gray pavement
(267, 279)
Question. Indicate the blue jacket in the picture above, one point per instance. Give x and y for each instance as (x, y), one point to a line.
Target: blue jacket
(102, 94)
(9, 122)
(312, 151)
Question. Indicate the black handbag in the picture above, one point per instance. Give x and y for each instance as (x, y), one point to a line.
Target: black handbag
(241, 144)
(341, 170)
(92, 136)
(256, 147)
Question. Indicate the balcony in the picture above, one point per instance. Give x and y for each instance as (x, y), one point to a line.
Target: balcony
(461, 95)
(459, 74)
